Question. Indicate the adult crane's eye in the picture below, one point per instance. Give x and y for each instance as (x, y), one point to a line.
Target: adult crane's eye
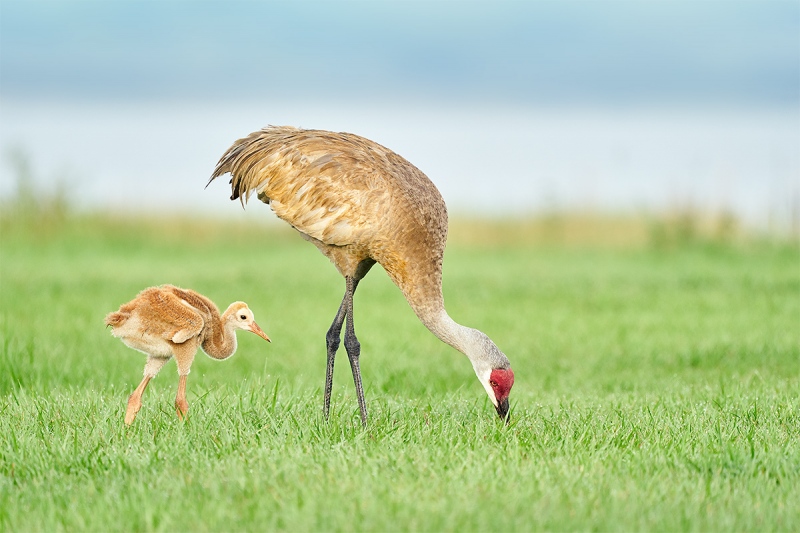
(493, 383)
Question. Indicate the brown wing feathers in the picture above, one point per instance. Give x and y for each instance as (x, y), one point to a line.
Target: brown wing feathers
(167, 312)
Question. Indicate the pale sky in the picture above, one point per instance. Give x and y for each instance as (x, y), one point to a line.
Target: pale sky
(531, 52)
(578, 105)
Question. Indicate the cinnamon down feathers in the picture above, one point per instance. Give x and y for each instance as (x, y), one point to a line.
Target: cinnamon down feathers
(167, 321)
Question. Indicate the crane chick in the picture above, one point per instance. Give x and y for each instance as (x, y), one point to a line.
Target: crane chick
(168, 321)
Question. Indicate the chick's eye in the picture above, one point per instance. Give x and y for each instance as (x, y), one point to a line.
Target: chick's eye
(243, 317)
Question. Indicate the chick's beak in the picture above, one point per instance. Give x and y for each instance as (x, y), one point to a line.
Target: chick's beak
(502, 410)
(258, 331)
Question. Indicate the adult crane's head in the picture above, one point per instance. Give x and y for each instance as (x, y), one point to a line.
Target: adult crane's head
(500, 382)
(493, 370)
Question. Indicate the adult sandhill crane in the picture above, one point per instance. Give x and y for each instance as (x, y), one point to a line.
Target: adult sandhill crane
(167, 321)
(361, 203)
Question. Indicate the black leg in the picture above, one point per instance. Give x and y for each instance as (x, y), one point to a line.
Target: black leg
(353, 348)
(332, 342)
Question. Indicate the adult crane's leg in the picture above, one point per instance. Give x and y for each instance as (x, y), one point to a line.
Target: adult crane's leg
(353, 348)
(332, 343)
(332, 339)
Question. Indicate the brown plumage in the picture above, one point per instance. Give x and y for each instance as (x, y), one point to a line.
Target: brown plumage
(167, 321)
(360, 203)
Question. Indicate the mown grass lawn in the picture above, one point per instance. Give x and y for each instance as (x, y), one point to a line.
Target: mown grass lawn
(657, 388)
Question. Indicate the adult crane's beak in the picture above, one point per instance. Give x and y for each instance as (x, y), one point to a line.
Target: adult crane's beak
(502, 410)
(258, 331)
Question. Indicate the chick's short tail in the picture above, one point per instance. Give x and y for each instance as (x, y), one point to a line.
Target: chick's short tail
(116, 318)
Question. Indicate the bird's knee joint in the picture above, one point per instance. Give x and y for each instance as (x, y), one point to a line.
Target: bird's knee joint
(352, 346)
(332, 341)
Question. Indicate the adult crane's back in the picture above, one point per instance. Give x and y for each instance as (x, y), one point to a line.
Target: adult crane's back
(359, 203)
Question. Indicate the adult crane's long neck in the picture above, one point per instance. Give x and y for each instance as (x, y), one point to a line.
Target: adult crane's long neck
(428, 303)
(476, 345)
(450, 331)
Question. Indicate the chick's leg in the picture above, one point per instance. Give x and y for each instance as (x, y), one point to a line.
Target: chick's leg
(151, 368)
(181, 405)
(184, 358)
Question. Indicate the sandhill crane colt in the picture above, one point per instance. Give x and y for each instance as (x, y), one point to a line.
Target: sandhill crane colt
(166, 321)
(361, 203)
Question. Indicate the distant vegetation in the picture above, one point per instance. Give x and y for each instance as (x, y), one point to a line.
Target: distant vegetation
(36, 210)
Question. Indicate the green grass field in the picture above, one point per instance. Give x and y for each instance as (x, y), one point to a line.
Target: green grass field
(657, 386)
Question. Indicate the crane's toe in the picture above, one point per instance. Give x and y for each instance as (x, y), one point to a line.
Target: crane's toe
(134, 404)
(181, 408)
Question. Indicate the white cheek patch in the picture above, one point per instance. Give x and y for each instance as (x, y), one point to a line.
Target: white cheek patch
(483, 377)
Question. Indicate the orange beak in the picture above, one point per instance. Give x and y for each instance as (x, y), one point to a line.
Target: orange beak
(258, 331)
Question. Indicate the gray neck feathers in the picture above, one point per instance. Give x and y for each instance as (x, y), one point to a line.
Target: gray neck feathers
(476, 345)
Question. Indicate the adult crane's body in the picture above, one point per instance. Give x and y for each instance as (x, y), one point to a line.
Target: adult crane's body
(361, 203)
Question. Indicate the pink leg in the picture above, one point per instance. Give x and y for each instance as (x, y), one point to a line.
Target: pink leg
(181, 405)
(135, 400)
(154, 364)
(184, 356)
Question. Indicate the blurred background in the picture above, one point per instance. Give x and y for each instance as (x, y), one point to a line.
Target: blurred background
(511, 108)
